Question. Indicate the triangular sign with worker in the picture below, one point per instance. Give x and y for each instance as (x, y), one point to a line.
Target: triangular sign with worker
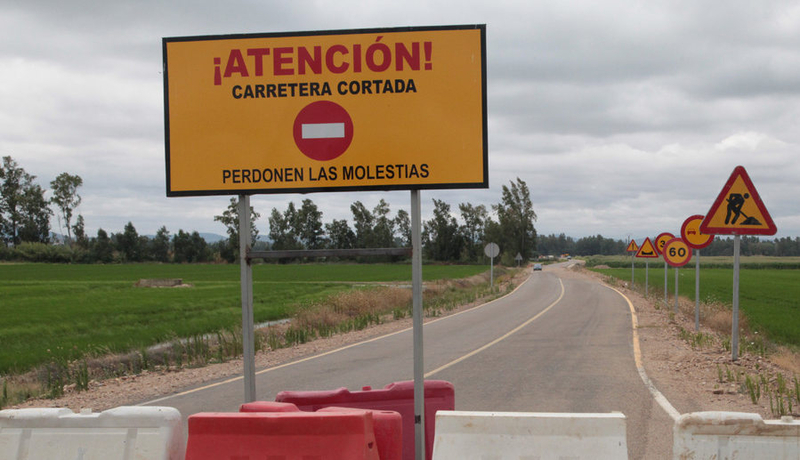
(632, 247)
(738, 210)
(647, 250)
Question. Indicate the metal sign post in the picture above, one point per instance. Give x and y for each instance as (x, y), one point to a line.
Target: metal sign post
(491, 250)
(676, 289)
(248, 342)
(735, 321)
(633, 248)
(694, 238)
(416, 284)
(738, 210)
(647, 251)
(697, 290)
(666, 296)
(677, 254)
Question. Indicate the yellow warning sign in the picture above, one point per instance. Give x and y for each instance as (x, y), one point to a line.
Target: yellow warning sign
(738, 210)
(376, 109)
(647, 250)
(632, 247)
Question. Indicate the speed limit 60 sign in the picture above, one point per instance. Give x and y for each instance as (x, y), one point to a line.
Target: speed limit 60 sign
(676, 252)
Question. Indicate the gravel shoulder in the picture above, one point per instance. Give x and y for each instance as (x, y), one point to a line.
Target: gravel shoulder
(688, 377)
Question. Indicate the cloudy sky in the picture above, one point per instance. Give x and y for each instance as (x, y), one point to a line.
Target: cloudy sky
(624, 118)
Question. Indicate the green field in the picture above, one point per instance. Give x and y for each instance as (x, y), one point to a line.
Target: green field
(50, 311)
(770, 298)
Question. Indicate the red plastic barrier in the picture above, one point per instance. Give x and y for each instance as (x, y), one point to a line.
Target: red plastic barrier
(388, 431)
(268, 406)
(398, 397)
(340, 435)
(388, 425)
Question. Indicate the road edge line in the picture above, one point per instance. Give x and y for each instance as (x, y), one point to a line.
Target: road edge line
(637, 356)
(329, 352)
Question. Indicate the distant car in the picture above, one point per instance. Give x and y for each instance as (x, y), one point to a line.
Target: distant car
(537, 267)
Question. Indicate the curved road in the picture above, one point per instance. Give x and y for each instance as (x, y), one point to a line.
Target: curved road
(557, 344)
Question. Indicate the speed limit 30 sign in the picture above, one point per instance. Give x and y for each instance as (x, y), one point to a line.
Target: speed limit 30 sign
(676, 252)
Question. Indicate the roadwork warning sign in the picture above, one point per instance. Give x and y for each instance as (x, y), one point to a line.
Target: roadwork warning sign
(738, 209)
(377, 109)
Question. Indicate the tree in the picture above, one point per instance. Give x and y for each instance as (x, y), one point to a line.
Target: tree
(440, 235)
(159, 245)
(230, 218)
(402, 223)
(189, 247)
(308, 226)
(12, 189)
(65, 197)
(101, 247)
(515, 217)
(383, 229)
(363, 221)
(474, 218)
(79, 230)
(283, 228)
(34, 224)
(129, 244)
(340, 235)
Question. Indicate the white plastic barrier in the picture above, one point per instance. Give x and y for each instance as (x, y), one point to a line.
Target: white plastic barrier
(124, 433)
(464, 435)
(729, 435)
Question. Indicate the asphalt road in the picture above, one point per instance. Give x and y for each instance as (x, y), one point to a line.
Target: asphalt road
(557, 344)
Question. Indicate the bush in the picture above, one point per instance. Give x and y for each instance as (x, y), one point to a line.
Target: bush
(40, 252)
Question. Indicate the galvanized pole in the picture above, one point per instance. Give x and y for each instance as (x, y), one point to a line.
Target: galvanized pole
(666, 296)
(633, 254)
(646, 275)
(697, 290)
(735, 322)
(491, 273)
(248, 343)
(676, 290)
(416, 285)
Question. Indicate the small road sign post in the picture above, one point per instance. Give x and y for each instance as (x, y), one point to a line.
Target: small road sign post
(691, 234)
(677, 254)
(660, 242)
(491, 250)
(646, 251)
(632, 248)
(738, 210)
(518, 258)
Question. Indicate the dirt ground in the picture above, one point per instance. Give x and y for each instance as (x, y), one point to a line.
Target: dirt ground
(688, 377)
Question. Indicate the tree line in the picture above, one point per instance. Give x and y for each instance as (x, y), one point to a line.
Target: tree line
(453, 233)
(721, 246)
(26, 234)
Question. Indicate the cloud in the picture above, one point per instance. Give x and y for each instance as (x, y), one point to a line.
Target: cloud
(622, 118)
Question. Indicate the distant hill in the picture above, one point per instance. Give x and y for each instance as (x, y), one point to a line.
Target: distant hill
(212, 237)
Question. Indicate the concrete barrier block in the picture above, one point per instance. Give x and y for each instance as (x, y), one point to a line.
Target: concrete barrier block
(151, 433)
(735, 435)
(467, 435)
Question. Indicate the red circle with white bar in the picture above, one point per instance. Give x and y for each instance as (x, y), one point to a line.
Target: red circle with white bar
(323, 130)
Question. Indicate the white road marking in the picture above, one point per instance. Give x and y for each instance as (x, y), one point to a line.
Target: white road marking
(310, 358)
(637, 356)
(500, 339)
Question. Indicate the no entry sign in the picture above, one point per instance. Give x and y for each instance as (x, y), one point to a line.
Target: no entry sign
(323, 130)
(374, 109)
